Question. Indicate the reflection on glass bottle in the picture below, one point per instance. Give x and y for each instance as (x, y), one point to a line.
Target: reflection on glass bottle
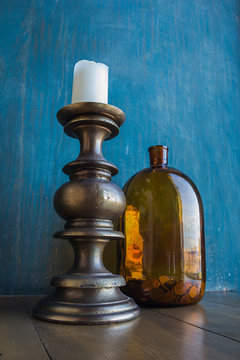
(163, 255)
(134, 259)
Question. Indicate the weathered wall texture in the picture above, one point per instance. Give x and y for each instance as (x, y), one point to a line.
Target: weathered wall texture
(174, 70)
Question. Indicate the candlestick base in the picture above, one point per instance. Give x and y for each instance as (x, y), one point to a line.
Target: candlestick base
(53, 310)
(89, 202)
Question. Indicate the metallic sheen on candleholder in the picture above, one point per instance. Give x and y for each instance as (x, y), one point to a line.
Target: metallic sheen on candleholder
(89, 202)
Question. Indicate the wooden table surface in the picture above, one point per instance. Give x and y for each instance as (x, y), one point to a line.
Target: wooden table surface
(208, 330)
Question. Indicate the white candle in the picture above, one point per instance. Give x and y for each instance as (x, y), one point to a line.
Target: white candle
(90, 82)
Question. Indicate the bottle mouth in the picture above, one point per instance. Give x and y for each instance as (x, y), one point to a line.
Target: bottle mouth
(158, 155)
(158, 147)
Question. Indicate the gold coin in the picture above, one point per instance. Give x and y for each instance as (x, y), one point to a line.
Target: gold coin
(179, 288)
(155, 283)
(193, 291)
(187, 285)
(163, 279)
(184, 299)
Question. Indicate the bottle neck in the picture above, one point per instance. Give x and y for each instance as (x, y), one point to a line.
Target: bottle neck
(158, 155)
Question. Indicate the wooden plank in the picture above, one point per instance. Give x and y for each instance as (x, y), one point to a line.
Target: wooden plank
(18, 337)
(230, 298)
(212, 316)
(152, 336)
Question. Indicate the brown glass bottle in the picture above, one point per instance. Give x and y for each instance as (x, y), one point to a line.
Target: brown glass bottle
(163, 255)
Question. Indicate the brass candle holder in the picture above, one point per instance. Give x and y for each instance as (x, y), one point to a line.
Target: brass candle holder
(89, 202)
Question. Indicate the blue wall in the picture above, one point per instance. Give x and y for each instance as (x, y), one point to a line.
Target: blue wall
(174, 70)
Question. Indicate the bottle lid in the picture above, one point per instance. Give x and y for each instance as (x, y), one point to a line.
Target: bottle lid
(158, 155)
